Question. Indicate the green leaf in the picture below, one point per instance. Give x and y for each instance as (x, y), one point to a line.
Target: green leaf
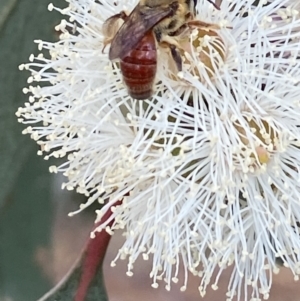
(66, 289)
(20, 23)
(6, 6)
(25, 227)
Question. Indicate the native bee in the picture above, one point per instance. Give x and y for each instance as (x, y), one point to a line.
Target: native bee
(134, 43)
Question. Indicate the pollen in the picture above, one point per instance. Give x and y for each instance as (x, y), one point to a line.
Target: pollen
(258, 144)
(207, 53)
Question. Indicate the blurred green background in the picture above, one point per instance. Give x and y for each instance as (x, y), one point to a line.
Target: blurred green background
(29, 218)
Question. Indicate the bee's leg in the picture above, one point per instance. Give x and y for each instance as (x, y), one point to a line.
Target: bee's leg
(180, 31)
(203, 25)
(173, 45)
(176, 57)
(158, 34)
(186, 27)
(168, 40)
(105, 43)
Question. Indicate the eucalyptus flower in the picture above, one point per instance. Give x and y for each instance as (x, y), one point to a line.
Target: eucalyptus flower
(207, 169)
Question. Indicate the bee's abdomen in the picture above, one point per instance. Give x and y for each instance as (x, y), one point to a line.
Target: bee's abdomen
(139, 68)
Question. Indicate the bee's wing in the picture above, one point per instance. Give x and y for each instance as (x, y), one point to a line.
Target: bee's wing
(135, 27)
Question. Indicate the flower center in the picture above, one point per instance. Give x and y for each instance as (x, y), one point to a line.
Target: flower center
(208, 52)
(257, 142)
(202, 52)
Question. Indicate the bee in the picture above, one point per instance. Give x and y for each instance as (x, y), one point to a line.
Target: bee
(134, 43)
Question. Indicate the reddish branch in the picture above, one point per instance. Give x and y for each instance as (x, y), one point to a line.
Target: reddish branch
(93, 257)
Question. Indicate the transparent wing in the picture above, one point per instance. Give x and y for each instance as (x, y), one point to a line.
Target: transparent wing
(135, 26)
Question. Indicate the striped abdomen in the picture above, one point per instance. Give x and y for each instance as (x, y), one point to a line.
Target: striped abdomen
(139, 68)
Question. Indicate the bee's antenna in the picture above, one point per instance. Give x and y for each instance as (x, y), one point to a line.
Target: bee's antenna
(214, 4)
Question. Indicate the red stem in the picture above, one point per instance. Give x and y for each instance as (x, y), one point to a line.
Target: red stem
(93, 257)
